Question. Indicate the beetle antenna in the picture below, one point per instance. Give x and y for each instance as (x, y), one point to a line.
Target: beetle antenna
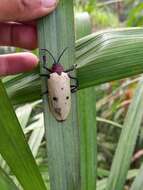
(50, 54)
(61, 54)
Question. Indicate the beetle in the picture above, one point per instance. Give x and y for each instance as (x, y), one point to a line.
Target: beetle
(59, 87)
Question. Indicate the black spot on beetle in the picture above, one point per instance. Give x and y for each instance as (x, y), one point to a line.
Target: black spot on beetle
(55, 99)
(60, 120)
(62, 88)
(67, 97)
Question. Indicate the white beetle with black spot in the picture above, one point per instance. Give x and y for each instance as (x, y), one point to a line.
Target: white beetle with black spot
(59, 88)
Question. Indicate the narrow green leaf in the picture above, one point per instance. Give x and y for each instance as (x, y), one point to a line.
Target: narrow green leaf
(127, 142)
(88, 144)
(56, 32)
(87, 121)
(14, 148)
(99, 119)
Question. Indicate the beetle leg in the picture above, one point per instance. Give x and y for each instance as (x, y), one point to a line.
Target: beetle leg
(73, 88)
(45, 75)
(74, 78)
(68, 70)
(71, 69)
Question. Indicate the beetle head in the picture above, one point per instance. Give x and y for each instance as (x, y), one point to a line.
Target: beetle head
(57, 68)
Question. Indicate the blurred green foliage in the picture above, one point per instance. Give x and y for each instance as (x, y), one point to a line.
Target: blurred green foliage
(135, 13)
(102, 15)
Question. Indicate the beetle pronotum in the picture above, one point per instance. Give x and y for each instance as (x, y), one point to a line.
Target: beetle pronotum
(59, 87)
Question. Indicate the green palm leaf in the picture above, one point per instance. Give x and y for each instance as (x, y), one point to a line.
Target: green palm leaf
(56, 32)
(101, 57)
(14, 148)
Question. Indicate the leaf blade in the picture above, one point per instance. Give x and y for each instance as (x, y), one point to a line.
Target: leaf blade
(56, 32)
(14, 147)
